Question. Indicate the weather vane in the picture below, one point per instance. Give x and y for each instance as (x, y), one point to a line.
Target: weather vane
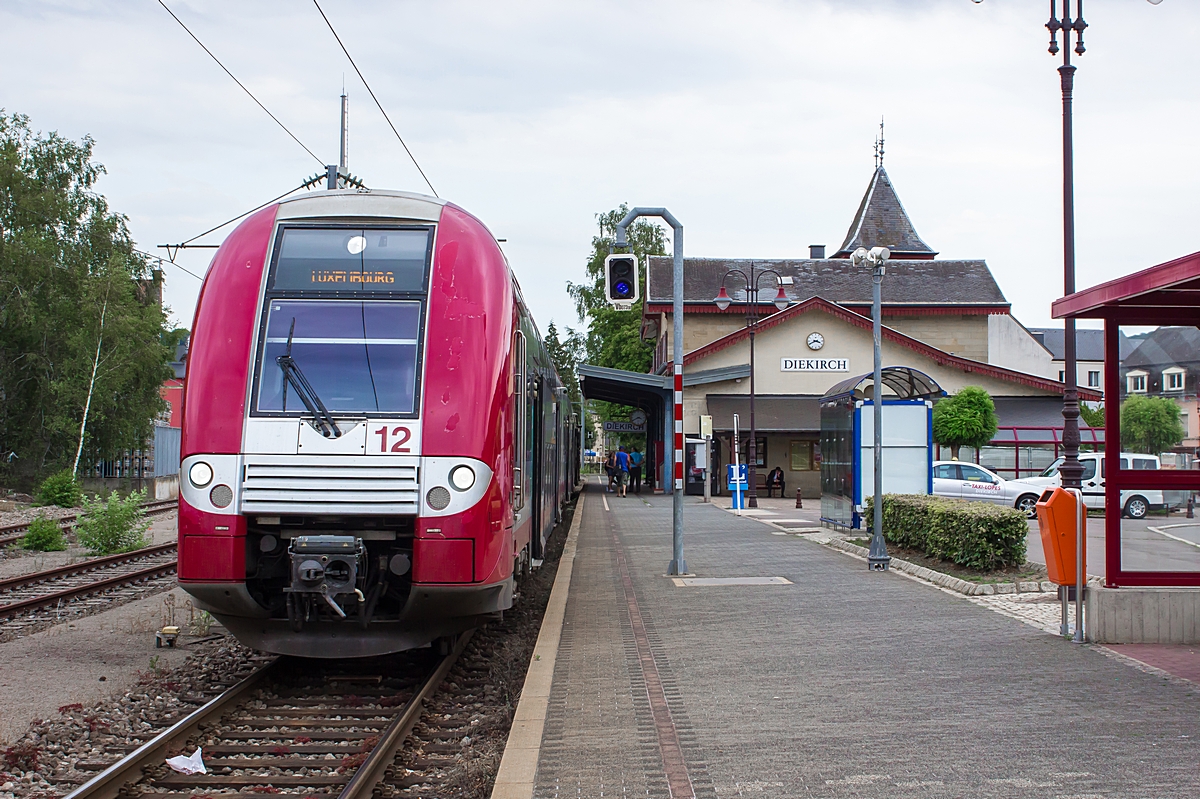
(879, 146)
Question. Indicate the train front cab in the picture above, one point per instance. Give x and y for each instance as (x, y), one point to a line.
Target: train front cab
(366, 542)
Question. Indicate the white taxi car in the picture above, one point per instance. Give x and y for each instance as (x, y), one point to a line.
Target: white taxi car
(970, 481)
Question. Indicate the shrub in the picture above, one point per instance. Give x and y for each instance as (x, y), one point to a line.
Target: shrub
(977, 535)
(44, 535)
(61, 489)
(113, 525)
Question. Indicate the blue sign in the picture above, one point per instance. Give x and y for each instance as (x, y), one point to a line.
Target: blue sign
(737, 486)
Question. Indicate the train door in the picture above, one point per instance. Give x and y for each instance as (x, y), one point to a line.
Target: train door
(558, 451)
(537, 436)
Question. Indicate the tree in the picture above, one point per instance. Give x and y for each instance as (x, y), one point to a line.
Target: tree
(966, 419)
(81, 320)
(565, 355)
(1150, 424)
(1092, 417)
(613, 338)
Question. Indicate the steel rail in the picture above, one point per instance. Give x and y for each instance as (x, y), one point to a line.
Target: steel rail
(117, 779)
(371, 772)
(82, 567)
(12, 533)
(116, 581)
(109, 783)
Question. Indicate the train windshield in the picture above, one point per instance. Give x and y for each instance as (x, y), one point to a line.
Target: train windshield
(359, 356)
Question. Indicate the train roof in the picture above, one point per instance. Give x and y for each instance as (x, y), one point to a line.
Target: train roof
(358, 203)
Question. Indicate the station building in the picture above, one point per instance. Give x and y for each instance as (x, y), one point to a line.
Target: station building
(946, 318)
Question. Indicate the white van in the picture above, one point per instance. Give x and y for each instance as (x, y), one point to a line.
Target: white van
(1134, 503)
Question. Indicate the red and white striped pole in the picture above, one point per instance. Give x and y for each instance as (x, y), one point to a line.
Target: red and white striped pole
(679, 427)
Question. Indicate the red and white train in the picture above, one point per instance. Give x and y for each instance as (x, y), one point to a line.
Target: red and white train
(375, 442)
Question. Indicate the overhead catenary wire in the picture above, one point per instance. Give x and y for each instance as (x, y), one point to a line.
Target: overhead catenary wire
(240, 84)
(236, 218)
(172, 249)
(373, 97)
(162, 260)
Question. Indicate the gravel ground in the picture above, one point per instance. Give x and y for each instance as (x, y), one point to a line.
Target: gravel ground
(74, 740)
(81, 661)
(28, 514)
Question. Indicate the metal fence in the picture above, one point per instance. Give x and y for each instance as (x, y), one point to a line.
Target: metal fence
(159, 458)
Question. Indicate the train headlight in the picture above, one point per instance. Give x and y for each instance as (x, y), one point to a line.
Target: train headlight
(462, 477)
(201, 474)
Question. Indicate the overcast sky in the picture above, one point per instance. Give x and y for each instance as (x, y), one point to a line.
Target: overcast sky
(752, 122)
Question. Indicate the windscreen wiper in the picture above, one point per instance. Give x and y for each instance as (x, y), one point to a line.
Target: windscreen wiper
(308, 395)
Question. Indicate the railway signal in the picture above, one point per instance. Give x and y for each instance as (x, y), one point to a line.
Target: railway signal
(621, 280)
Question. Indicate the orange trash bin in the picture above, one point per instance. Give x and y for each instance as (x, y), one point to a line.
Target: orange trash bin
(1056, 515)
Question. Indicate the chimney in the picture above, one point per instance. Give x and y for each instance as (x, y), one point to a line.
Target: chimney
(816, 251)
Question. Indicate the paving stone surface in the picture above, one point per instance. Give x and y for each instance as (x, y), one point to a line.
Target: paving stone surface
(844, 683)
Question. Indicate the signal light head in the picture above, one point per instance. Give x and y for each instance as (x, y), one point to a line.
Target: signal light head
(621, 278)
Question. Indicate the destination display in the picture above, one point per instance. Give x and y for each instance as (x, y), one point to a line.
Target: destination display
(815, 365)
(352, 259)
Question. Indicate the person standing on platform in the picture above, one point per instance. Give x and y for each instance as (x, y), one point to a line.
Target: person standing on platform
(610, 468)
(635, 470)
(622, 471)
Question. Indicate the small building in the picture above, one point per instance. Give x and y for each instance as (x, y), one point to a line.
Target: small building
(1089, 353)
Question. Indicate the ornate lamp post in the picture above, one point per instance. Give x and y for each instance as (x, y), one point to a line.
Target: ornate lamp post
(723, 301)
(877, 557)
(1071, 469)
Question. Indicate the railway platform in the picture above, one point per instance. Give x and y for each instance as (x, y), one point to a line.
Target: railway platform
(787, 669)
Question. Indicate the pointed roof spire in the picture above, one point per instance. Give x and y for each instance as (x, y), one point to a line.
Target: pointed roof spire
(881, 220)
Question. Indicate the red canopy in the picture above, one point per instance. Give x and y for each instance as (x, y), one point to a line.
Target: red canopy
(1166, 294)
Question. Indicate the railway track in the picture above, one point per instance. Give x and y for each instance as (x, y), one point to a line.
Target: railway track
(12, 533)
(294, 727)
(53, 587)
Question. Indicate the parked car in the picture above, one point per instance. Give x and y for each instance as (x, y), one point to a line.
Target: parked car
(1134, 504)
(971, 481)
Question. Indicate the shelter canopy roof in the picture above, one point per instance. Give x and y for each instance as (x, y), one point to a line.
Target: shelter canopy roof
(904, 381)
(1168, 293)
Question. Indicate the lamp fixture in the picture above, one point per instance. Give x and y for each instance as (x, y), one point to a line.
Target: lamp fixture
(723, 299)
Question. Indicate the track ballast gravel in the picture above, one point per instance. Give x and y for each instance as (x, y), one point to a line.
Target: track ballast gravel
(453, 752)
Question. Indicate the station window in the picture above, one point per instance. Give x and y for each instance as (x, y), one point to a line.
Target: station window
(802, 456)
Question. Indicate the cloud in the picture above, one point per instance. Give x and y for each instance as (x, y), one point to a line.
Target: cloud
(752, 122)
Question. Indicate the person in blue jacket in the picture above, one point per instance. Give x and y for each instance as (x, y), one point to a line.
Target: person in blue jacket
(622, 471)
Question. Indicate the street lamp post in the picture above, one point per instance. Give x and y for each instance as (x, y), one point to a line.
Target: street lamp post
(723, 301)
(1071, 469)
(877, 557)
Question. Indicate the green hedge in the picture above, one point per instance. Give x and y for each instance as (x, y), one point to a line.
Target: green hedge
(977, 535)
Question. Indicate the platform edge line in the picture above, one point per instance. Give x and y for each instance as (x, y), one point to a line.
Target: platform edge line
(518, 766)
